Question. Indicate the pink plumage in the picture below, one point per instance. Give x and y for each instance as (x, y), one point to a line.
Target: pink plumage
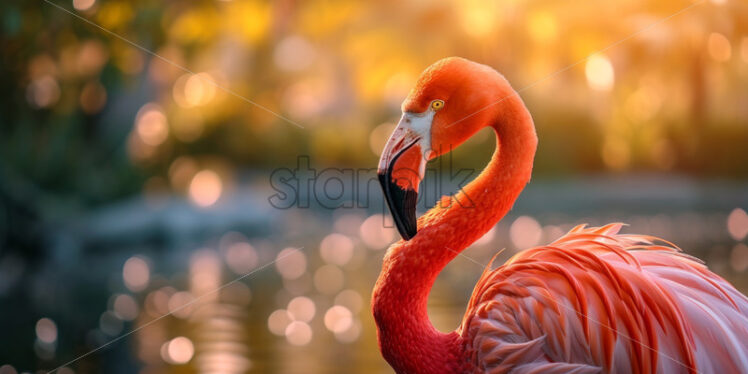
(598, 301)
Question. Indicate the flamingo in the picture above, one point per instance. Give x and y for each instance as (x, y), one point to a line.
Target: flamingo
(593, 301)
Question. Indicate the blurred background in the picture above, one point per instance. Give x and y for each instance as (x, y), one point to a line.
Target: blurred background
(135, 178)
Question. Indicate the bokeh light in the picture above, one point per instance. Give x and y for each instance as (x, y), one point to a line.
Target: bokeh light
(180, 304)
(192, 90)
(338, 319)
(487, 238)
(599, 72)
(181, 172)
(298, 333)
(110, 324)
(328, 279)
(46, 330)
(377, 231)
(552, 232)
(241, 257)
(301, 308)
(125, 307)
(336, 249)
(378, 137)
(136, 274)
(351, 334)
(83, 5)
(178, 350)
(157, 302)
(350, 299)
(294, 53)
(278, 321)
(151, 124)
(205, 188)
(291, 263)
(525, 232)
(205, 275)
(43, 92)
(737, 224)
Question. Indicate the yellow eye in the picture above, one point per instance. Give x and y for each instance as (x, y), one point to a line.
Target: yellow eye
(437, 104)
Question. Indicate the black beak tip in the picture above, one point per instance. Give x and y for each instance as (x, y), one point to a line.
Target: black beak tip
(408, 233)
(402, 204)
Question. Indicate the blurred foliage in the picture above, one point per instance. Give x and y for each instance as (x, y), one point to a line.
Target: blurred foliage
(88, 115)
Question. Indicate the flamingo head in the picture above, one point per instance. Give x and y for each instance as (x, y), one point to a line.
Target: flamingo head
(451, 101)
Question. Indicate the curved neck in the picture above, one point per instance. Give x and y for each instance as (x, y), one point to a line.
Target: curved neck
(407, 339)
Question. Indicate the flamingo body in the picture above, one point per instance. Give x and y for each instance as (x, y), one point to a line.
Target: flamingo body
(597, 301)
(593, 301)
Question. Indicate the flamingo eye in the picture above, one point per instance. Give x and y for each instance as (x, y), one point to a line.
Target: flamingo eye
(437, 104)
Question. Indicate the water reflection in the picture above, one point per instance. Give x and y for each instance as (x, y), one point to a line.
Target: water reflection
(308, 311)
(318, 294)
(319, 297)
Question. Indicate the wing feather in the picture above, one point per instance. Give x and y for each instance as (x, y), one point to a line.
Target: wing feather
(598, 301)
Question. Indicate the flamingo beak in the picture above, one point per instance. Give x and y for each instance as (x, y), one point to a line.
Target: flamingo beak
(401, 169)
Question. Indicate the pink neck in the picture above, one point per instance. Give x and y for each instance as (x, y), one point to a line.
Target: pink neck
(407, 339)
